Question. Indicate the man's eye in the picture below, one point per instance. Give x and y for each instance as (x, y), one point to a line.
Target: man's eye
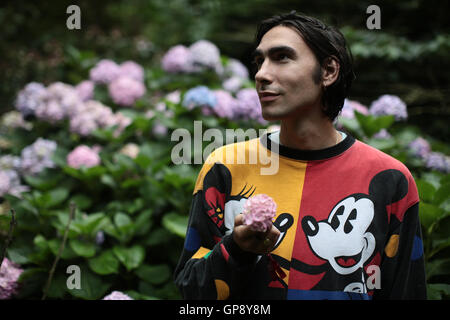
(282, 57)
(257, 62)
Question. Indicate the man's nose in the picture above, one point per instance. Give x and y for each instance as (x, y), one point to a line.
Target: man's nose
(264, 74)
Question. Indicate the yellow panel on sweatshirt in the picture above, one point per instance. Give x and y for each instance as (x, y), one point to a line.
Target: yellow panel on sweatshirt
(284, 187)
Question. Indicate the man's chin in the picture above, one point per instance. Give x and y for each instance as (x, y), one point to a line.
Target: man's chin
(272, 117)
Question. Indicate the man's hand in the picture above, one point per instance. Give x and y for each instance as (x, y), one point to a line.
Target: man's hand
(254, 241)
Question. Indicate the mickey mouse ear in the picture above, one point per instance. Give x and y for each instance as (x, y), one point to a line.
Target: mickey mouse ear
(388, 186)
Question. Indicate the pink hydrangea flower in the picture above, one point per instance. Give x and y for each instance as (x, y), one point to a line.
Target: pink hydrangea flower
(9, 275)
(259, 211)
(226, 104)
(389, 105)
(177, 59)
(83, 155)
(85, 90)
(249, 105)
(117, 295)
(133, 70)
(125, 90)
(104, 71)
(349, 108)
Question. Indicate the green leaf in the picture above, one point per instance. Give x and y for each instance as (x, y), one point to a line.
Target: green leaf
(67, 253)
(106, 263)
(57, 196)
(429, 214)
(143, 222)
(44, 181)
(83, 202)
(58, 287)
(131, 257)
(437, 267)
(92, 223)
(176, 223)
(108, 180)
(437, 291)
(382, 144)
(373, 124)
(124, 223)
(426, 190)
(442, 194)
(155, 274)
(82, 248)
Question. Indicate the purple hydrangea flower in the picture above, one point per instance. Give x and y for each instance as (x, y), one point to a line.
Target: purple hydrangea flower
(125, 90)
(349, 108)
(85, 90)
(100, 238)
(132, 70)
(235, 68)
(420, 147)
(389, 105)
(4, 183)
(104, 71)
(233, 84)
(117, 295)
(382, 134)
(9, 177)
(10, 183)
(121, 121)
(199, 96)
(83, 124)
(93, 115)
(29, 98)
(177, 59)
(205, 54)
(259, 211)
(249, 105)
(159, 129)
(37, 156)
(83, 156)
(226, 104)
(10, 162)
(438, 161)
(9, 275)
(59, 101)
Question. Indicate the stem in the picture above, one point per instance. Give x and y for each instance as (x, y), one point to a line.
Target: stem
(9, 236)
(61, 248)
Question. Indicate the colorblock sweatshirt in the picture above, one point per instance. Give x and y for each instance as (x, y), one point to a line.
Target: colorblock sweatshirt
(348, 220)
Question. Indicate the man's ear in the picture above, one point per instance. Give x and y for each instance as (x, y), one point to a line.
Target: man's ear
(330, 71)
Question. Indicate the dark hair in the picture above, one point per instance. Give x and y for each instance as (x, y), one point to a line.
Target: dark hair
(325, 41)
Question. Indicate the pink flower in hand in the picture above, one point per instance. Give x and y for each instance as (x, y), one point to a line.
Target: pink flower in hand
(259, 211)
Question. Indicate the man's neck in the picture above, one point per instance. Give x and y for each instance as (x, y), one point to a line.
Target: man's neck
(308, 134)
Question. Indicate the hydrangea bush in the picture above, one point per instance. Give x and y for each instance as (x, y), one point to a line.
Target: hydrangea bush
(104, 144)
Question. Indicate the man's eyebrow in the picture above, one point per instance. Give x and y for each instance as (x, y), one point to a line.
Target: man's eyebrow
(273, 50)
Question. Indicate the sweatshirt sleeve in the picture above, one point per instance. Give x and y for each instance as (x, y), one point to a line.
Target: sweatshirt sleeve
(212, 265)
(402, 268)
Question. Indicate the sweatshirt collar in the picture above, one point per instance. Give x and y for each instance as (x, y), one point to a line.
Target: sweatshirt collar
(298, 154)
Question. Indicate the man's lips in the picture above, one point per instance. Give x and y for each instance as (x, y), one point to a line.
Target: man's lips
(268, 96)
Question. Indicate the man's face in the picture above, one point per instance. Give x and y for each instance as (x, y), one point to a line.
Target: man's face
(288, 77)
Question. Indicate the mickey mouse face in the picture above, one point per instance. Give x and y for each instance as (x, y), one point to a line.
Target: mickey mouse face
(342, 239)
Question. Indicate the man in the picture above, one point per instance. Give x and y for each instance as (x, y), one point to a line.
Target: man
(347, 224)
